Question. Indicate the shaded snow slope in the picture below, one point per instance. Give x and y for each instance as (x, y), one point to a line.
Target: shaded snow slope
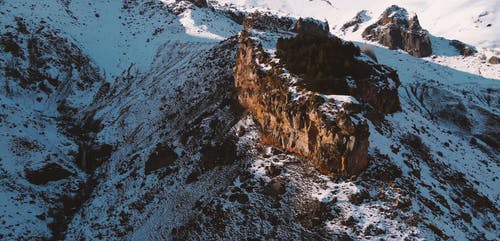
(58, 60)
(166, 107)
(44, 79)
(117, 34)
(455, 115)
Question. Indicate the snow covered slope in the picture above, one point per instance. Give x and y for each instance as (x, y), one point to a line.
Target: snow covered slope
(473, 22)
(58, 60)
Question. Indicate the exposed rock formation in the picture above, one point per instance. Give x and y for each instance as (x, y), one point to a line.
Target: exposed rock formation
(311, 26)
(376, 85)
(48, 173)
(354, 23)
(494, 60)
(162, 156)
(397, 29)
(267, 22)
(311, 125)
(463, 48)
(199, 3)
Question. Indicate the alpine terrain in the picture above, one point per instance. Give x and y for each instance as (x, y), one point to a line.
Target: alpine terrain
(249, 120)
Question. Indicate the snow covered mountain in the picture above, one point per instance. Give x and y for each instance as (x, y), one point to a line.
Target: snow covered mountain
(122, 120)
(472, 22)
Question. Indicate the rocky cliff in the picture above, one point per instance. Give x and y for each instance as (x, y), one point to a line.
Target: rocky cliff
(397, 29)
(324, 128)
(311, 125)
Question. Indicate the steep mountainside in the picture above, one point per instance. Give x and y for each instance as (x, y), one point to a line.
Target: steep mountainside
(163, 120)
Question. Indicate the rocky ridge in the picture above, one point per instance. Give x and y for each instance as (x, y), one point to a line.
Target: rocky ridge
(310, 126)
(316, 126)
(397, 29)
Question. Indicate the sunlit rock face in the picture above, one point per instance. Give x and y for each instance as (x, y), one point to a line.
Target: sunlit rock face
(311, 125)
(397, 29)
(327, 129)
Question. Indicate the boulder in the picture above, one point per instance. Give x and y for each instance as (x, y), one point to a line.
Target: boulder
(162, 156)
(397, 29)
(494, 60)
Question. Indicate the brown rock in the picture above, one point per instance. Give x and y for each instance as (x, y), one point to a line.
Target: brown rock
(311, 126)
(397, 29)
(311, 26)
(463, 48)
(273, 170)
(277, 187)
(313, 213)
(266, 22)
(494, 60)
(378, 87)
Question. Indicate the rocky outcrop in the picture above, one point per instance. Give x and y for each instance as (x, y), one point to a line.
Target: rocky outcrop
(463, 48)
(42, 61)
(268, 22)
(494, 60)
(311, 125)
(376, 85)
(397, 29)
(198, 3)
(361, 17)
(162, 156)
(48, 173)
(311, 26)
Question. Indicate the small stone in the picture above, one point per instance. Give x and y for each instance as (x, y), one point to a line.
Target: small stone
(277, 187)
(273, 170)
(494, 60)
